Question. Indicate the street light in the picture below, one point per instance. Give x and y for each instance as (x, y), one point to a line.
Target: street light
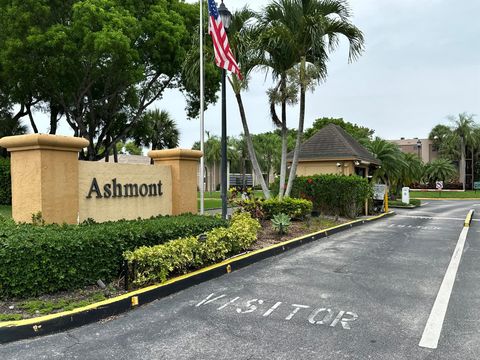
(226, 17)
(419, 146)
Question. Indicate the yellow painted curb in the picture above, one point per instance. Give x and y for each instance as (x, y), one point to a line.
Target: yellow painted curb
(468, 219)
(135, 293)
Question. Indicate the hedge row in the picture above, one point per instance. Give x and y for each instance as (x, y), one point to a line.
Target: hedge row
(37, 260)
(266, 209)
(333, 194)
(155, 264)
(5, 182)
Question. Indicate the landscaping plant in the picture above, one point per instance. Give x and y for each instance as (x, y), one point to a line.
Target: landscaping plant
(36, 260)
(280, 223)
(156, 263)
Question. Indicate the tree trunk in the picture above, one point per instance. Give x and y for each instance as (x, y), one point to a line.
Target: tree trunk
(301, 123)
(115, 153)
(54, 111)
(32, 121)
(283, 161)
(250, 148)
(462, 163)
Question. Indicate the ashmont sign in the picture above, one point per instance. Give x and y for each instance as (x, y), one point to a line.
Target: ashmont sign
(47, 177)
(115, 189)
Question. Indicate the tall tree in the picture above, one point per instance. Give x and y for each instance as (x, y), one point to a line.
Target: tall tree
(463, 135)
(392, 161)
(99, 63)
(360, 133)
(309, 30)
(157, 130)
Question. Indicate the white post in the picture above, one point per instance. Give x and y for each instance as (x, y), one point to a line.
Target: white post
(202, 123)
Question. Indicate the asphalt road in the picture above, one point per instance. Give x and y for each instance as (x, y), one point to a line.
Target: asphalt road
(366, 293)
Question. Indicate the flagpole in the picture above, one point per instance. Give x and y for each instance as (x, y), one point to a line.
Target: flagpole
(202, 119)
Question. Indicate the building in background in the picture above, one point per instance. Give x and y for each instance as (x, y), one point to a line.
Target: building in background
(332, 150)
(422, 147)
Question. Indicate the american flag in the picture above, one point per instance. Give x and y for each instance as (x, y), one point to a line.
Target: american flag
(223, 54)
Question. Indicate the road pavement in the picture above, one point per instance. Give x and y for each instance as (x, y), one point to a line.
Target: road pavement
(366, 293)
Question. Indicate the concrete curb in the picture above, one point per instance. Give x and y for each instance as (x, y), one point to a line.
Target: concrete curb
(28, 328)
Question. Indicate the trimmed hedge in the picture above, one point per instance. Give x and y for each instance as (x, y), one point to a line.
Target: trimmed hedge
(157, 263)
(37, 260)
(5, 182)
(337, 195)
(267, 209)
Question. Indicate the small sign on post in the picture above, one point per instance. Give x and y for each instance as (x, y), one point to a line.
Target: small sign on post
(439, 186)
(476, 186)
(379, 194)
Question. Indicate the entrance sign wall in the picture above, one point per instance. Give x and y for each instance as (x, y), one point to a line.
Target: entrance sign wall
(47, 177)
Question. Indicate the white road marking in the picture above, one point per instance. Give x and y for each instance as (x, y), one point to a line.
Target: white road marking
(433, 217)
(432, 331)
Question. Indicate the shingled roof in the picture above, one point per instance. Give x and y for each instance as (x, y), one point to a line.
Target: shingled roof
(333, 143)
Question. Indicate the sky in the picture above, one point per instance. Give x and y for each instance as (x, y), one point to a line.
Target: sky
(421, 64)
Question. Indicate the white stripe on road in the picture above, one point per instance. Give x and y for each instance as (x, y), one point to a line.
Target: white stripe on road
(432, 331)
(432, 217)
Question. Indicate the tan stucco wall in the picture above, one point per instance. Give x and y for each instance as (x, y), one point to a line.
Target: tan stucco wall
(308, 168)
(184, 165)
(44, 171)
(104, 209)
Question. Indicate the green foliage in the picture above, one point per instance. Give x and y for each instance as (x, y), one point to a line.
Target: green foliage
(440, 170)
(280, 223)
(157, 130)
(293, 208)
(5, 182)
(157, 263)
(333, 194)
(36, 260)
(360, 133)
(267, 208)
(49, 306)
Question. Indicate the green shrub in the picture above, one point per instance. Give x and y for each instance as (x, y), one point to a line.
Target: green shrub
(5, 182)
(36, 260)
(333, 194)
(266, 209)
(157, 263)
(293, 208)
(280, 223)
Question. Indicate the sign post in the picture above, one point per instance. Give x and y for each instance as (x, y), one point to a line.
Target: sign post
(380, 193)
(439, 186)
(476, 186)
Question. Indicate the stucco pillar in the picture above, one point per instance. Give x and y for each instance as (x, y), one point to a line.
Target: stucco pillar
(184, 165)
(44, 171)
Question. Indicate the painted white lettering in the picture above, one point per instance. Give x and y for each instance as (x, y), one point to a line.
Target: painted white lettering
(209, 300)
(344, 321)
(273, 308)
(326, 318)
(297, 307)
(228, 303)
(250, 307)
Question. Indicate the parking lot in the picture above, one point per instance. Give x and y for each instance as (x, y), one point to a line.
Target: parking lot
(366, 293)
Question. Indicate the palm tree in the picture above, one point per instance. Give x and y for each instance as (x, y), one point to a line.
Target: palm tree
(440, 170)
(157, 130)
(309, 30)
(411, 171)
(392, 161)
(462, 136)
(243, 43)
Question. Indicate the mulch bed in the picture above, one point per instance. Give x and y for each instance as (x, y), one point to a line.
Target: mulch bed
(49, 304)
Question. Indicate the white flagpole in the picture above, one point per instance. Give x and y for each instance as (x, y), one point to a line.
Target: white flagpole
(202, 120)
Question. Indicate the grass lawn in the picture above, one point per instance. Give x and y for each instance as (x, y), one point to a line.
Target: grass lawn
(6, 211)
(445, 194)
(213, 200)
(216, 194)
